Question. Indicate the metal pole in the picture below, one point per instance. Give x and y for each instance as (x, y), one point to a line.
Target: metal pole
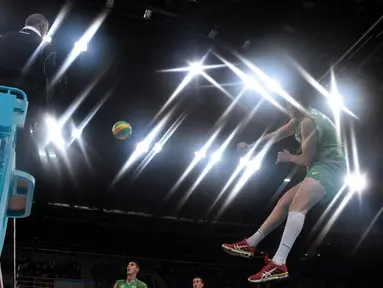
(1, 278)
(14, 254)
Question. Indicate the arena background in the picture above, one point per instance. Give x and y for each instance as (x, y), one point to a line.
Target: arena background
(83, 230)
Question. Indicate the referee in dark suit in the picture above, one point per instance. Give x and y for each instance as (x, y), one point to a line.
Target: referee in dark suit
(27, 62)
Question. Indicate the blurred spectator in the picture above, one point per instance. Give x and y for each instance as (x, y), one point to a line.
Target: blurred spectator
(48, 269)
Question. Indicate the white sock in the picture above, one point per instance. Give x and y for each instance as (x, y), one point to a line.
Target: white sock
(293, 228)
(256, 238)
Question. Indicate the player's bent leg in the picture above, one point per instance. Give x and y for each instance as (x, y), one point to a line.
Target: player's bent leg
(309, 194)
(279, 213)
(246, 248)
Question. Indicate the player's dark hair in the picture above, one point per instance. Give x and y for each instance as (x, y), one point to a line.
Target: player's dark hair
(137, 265)
(200, 278)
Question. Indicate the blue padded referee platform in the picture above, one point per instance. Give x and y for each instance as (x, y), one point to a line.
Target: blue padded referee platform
(16, 187)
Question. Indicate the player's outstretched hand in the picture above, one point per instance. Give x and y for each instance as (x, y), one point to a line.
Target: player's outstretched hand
(283, 156)
(243, 146)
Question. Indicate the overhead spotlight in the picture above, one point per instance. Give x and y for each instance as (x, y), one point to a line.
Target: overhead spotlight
(216, 157)
(81, 46)
(76, 133)
(273, 85)
(356, 182)
(109, 3)
(54, 132)
(254, 164)
(52, 154)
(250, 83)
(148, 14)
(196, 68)
(142, 147)
(244, 161)
(157, 148)
(200, 155)
(43, 153)
(47, 39)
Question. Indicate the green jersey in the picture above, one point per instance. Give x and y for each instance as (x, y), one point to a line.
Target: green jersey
(134, 284)
(329, 166)
(329, 144)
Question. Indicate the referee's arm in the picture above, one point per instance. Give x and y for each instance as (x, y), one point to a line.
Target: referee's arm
(48, 56)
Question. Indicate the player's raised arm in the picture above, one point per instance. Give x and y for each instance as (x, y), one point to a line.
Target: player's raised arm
(115, 285)
(285, 131)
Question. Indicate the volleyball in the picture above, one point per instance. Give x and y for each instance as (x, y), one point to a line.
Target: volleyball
(122, 130)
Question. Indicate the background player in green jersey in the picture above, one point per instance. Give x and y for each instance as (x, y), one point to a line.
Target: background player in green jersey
(323, 157)
(131, 281)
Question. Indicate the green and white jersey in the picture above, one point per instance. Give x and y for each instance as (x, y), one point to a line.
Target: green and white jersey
(134, 284)
(329, 147)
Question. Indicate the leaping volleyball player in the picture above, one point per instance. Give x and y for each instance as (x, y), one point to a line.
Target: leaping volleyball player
(322, 155)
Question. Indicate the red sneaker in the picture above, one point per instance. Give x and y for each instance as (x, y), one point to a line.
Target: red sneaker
(241, 249)
(270, 272)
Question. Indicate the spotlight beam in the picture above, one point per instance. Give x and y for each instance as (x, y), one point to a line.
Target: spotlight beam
(193, 70)
(92, 113)
(351, 48)
(215, 83)
(84, 39)
(246, 176)
(331, 222)
(367, 231)
(161, 142)
(187, 69)
(178, 90)
(226, 113)
(209, 166)
(234, 175)
(254, 83)
(194, 162)
(336, 104)
(282, 186)
(327, 211)
(270, 84)
(133, 158)
(319, 87)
